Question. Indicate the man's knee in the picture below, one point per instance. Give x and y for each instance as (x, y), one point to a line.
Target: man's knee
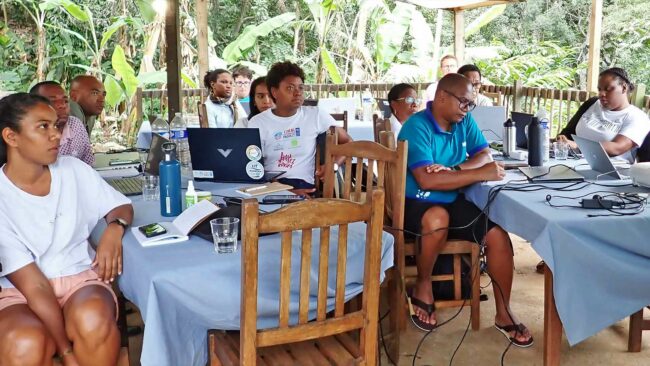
(28, 343)
(435, 218)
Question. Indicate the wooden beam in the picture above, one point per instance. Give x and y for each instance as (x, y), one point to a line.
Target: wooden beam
(202, 25)
(595, 30)
(459, 35)
(173, 57)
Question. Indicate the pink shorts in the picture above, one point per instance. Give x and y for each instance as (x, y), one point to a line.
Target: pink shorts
(63, 287)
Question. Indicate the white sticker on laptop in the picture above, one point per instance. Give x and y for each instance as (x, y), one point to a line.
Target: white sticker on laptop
(255, 170)
(253, 153)
(203, 174)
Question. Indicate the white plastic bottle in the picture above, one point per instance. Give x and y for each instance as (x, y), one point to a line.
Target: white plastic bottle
(366, 105)
(160, 127)
(191, 197)
(545, 123)
(178, 135)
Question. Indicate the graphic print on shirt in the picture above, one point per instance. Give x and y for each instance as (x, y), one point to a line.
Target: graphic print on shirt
(286, 160)
(604, 125)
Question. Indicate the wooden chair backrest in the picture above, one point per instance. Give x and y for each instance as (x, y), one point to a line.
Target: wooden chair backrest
(203, 114)
(380, 125)
(306, 216)
(341, 117)
(497, 98)
(366, 153)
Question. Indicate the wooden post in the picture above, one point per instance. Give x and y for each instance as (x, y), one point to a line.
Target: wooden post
(595, 29)
(638, 96)
(516, 96)
(173, 58)
(459, 35)
(202, 25)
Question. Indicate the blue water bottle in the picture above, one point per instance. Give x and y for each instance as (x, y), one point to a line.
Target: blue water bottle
(170, 182)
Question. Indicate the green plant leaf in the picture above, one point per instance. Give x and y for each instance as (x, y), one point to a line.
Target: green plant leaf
(390, 34)
(330, 66)
(484, 19)
(111, 30)
(124, 71)
(153, 77)
(247, 39)
(188, 80)
(146, 10)
(114, 91)
(76, 11)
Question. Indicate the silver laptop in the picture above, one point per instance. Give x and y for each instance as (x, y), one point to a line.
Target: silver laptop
(549, 174)
(490, 121)
(598, 160)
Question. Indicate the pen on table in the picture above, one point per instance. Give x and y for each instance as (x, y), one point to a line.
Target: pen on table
(255, 188)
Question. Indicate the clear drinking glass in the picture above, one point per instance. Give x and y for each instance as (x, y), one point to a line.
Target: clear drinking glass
(150, 191)
(224, 234)
(561, 150)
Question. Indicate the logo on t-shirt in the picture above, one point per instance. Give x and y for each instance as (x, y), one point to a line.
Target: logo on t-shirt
(286, 161)
(277, 135)
(604, 125)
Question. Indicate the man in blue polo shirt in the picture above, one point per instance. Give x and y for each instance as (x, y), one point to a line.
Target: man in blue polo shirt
(446, 152)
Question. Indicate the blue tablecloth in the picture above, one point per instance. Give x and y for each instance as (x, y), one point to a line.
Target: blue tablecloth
(184, 289)
(600, 265)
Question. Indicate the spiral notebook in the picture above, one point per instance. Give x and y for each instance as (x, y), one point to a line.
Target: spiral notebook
(262, 189)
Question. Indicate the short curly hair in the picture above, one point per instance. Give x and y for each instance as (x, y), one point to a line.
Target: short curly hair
(211, 76)
(242, 71)
(281, 70)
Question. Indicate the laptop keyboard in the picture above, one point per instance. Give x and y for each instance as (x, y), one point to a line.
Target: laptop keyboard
(127, 186)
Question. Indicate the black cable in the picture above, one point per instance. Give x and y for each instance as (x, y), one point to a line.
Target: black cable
(381, 334)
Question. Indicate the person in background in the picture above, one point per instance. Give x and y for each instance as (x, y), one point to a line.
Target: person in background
(221, 112)
(88, 95)
(260, 101)
(445, 134)
(473, 73)
(404, 102)
(620, 126)
(448, 64)
(74, 138)
(56, 295)
(289, 131)
(242, 77)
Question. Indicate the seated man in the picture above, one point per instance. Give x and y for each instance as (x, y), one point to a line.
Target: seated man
(440, 138)
(74, 138)
(289, 130)
(87, 94)
(473, 73)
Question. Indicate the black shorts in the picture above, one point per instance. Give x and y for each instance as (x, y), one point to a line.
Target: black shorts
(461, 214)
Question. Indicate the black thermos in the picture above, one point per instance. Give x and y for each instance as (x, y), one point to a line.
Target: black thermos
(535, 143)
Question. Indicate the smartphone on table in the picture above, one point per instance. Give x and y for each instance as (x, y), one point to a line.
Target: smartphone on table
(152, 230)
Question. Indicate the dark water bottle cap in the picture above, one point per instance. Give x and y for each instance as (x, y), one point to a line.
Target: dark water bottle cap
(509, 123)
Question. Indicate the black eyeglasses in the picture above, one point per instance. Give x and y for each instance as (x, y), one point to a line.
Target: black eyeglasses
(464, 104)
(411, 100)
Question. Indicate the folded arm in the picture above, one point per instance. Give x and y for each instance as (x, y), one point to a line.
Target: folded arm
(620, 145)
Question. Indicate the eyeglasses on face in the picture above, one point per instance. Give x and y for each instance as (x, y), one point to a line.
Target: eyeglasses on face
(464, 104)
(411, 100)
(477, 85)
(242, 83)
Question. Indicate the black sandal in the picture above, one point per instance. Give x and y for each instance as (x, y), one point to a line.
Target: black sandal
(520, 329)
(429, 308)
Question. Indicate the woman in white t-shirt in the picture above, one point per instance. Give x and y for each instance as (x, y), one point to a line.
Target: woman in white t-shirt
(289, 130)
(260, 100)
(55, 296)
(404, 102)
(612, 120)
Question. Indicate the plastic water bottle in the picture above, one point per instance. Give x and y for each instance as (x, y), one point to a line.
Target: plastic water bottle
(544, 121)
(366, 105)
(509, 137)
(178, 135)
(535, 143)
(171, 201)
(160, 127)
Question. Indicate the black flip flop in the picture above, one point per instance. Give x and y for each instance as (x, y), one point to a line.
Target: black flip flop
(520, 329)
(429, 308)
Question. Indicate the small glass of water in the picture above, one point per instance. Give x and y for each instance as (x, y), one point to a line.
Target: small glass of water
(224, 234)
(150, 188)
(561, 150)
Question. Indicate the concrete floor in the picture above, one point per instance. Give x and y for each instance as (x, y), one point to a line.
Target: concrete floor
(485, 347)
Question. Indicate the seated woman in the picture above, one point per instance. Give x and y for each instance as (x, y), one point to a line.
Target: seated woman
(74, 137)
(260, 100)
(221, 110)
(473, 73)
(610, 119)
(403, 101)
(55, 296)
(289, 130)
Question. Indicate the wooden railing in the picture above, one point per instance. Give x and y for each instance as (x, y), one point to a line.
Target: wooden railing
(561, 104)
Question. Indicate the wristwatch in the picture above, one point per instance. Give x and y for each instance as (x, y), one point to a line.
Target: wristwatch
(120, 221)
(456, 167)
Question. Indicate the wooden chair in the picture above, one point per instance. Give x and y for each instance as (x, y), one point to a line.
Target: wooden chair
(497, 98)
(325, 340)
(378, 160)
(341, 117)
(457, 248)
(380, 125)
(203, 114)
(637, 325)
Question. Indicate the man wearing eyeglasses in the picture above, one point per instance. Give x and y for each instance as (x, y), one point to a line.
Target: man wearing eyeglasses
(448, 64)
(87, 96)
(446, 152)
(473, 73)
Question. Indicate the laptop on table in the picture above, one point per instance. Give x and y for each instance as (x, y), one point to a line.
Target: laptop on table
(599, 162)
(232, 155)
(551, 174)
(490, 121)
